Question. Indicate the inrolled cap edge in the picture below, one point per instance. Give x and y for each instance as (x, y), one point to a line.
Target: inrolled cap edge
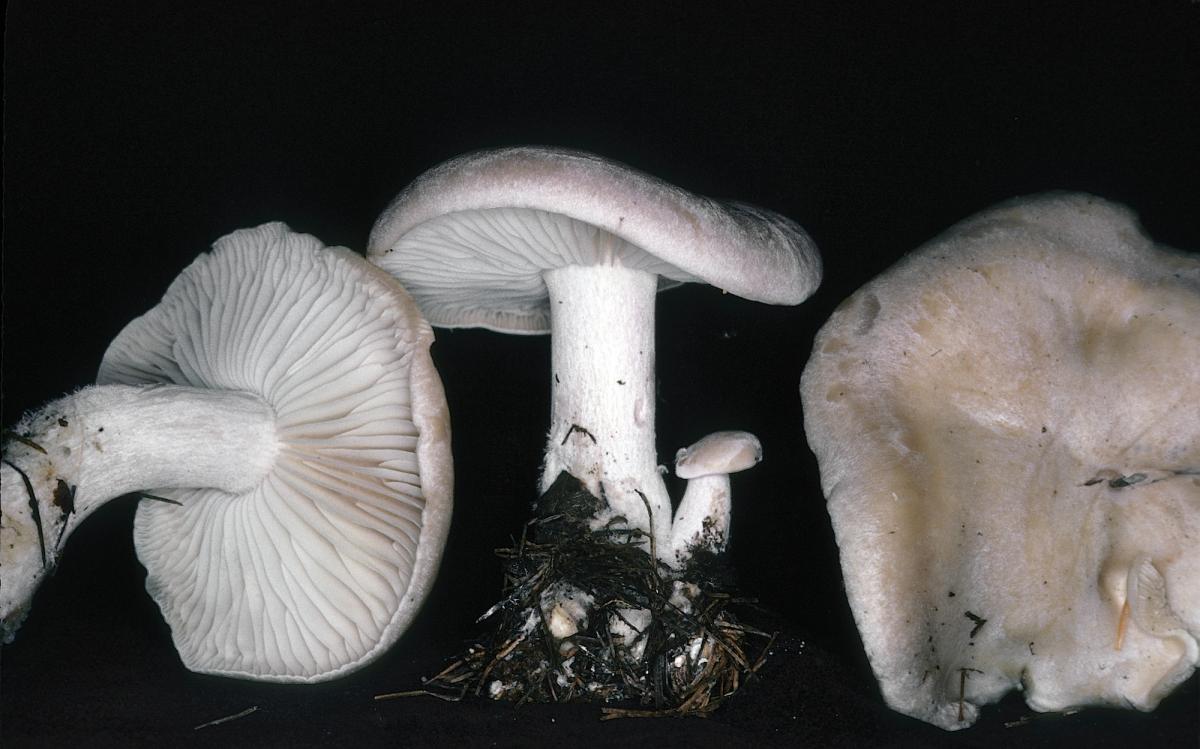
(744, 250)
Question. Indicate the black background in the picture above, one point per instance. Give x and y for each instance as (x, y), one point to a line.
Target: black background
(137, 133)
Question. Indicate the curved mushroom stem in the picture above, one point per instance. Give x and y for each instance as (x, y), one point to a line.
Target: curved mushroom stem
(76, 453)
(602, 408)
(701, 520)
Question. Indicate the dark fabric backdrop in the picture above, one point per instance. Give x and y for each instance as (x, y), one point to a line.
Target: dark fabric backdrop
(136, 133)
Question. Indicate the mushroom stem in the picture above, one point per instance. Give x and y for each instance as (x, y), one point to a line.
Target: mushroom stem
(77, 452)
(702, 519)
(602, 408)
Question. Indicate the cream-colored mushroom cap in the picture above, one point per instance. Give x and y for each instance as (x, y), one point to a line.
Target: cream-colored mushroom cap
(1007, 424)
(318, 568)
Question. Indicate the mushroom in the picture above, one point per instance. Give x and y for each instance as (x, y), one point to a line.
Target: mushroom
(702, 520)
(1007, 424)
(535, 240)
(282, 402)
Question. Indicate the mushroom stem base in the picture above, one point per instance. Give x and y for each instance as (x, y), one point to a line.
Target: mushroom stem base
(602, 407)
(588, 616)
(702, 520)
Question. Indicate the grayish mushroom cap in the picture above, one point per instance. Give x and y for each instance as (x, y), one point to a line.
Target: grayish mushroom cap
(471, 238)
(319, 568)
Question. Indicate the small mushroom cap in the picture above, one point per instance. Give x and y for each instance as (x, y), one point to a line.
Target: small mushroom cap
(718, 453)
(1007, 424)
(471, 238)
(318, 569)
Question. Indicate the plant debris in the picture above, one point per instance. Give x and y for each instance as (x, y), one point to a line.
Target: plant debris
(10, 435)
(64, 500)
(978, 620)
(34, 510)
(588, 615)
(1025, 720)
(227, 718)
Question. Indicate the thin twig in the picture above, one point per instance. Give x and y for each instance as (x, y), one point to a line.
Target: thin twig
(762, 657)
(33, 506)
(227, 718)
(157, 498)
(423, 693)
(650, 516)
(8, 435)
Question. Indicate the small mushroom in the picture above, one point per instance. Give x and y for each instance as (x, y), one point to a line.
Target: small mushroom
(702, 519)
(1007, 424)
(282, 401)
(540, 240)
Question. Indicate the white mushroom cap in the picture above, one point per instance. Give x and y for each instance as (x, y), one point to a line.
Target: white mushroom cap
(471, 238)
(1008, 429)
(718, 453)
(319, 567)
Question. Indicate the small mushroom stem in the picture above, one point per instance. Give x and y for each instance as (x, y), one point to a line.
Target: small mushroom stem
(602, 408)
(79, 451)
(702, 518)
